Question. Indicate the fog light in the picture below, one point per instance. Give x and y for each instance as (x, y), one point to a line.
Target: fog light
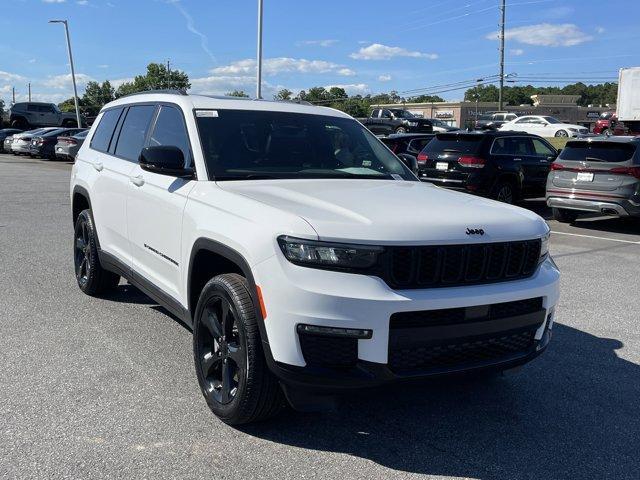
(335, 331)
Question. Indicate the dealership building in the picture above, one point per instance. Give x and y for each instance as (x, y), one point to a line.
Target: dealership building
(463, 114)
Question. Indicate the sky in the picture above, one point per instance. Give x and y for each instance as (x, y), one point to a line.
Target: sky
(364, 46)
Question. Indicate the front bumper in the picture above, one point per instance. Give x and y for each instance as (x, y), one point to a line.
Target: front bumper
(20, 148)
(295, 295)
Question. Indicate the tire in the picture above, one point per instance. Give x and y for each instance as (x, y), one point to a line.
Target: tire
(401, 130)
(504, 192)
(563, 215)
(91, 277)
(561, 133)
(227, 348)
(20, 123)
(605, 132)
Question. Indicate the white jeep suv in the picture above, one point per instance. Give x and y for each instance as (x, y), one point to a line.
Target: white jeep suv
(306, 257)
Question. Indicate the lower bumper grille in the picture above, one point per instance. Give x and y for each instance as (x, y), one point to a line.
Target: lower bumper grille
(321, 351)
(466, 354)
(463, 338)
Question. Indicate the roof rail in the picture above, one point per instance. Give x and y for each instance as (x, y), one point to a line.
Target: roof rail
(164, 91)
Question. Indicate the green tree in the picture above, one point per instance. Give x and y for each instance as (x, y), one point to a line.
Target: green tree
(283, 94)
(1, 110)
(483, 93)
(425, 99)
(156, 78)
(237, 93)
(69, 105)
(96, 96)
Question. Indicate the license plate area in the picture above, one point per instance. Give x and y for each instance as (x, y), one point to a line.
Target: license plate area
(444, 166)
(585, 177)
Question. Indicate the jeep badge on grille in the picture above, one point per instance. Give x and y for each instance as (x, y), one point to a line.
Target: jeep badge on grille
(475, 231)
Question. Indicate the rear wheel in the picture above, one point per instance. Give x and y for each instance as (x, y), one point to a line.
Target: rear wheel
(563, 215)
(605, 132)
(562, 133)
(228, 355)
(504, 192)
(401, 130)
(20, 123)
(91, 277)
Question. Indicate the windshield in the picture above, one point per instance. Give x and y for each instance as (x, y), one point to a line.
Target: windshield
(402, 114)
(253, 145)
(551, 120)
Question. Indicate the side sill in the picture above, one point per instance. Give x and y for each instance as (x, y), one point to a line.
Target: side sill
(111, 263)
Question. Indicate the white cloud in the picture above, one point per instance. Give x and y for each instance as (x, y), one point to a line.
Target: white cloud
(546, 35)
(64, 81)
(9, 77)
(318, 43)
(54, 1)
(600, 30)
(119, 81)
(377, 51)
(352, 88)
(275, 66)
(83, 2)
(104, 65)
(516, 52)
(384, 78)
(33, 60)
(222, 84)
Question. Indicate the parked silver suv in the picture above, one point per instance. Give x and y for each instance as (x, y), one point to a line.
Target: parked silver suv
(596, 175)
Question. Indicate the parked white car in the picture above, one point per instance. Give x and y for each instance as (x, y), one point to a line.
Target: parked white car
(544, 126)
(286, 237)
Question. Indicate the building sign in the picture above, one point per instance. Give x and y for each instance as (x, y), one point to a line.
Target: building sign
(593, 114)
(444, 113)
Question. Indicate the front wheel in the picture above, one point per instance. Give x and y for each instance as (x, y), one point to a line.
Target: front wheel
(562, 133)
(401, 130)
(563, 215)
(91, 277)
(228, 355)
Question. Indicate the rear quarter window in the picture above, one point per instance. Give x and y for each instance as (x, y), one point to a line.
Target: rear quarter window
(104, 131)
(598, 151)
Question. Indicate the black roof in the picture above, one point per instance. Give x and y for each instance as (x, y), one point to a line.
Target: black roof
(485, 133)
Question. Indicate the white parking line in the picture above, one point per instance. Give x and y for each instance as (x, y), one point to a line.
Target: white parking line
(593, 236)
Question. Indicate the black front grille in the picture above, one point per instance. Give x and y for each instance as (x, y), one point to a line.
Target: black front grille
(458, 355)
(455, 265)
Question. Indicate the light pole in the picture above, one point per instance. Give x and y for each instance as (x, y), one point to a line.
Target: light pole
(73, 72)
(259, 60)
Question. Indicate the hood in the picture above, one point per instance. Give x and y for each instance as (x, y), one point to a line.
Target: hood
(392, 212)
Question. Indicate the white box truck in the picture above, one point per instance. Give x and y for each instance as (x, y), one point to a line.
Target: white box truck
(628, 104)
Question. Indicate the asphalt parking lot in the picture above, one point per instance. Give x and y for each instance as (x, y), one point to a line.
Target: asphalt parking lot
(105, 388)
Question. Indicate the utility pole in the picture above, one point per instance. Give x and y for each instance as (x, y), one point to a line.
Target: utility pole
(13, 91)
(502, 21)
(73, 72)
(29, 91)
(168, 75)
(259, 60)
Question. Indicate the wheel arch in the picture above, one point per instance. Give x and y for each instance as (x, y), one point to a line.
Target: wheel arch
(207, 259)
(79, 201)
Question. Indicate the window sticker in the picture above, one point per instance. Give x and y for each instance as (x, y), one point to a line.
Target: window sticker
(207, 113)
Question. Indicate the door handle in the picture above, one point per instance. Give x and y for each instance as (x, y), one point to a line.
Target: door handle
(98, 166)
(137, 181)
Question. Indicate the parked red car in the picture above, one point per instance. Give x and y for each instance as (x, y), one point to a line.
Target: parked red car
(603, 124)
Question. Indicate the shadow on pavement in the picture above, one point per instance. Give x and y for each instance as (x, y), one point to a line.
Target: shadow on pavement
(572, 413)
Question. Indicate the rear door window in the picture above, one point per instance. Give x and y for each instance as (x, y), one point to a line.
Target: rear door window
(598, 152)
(134, 131)
(104, 131)
(542, 149)
(375, 113)
(455, 144)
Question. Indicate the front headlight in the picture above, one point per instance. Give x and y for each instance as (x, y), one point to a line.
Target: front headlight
(544, 247)
(575, 130)
(311, 253)
(412, 124)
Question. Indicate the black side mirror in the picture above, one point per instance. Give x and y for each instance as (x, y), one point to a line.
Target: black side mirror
(165, 160)
(410, 161)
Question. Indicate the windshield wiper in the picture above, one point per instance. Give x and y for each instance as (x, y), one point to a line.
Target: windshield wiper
(453, 150)
(594, 159)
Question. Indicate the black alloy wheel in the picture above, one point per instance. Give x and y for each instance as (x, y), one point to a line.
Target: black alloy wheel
(222, 349)
(92, 278)
(82, 253)
(504, 193)
(228, 354)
